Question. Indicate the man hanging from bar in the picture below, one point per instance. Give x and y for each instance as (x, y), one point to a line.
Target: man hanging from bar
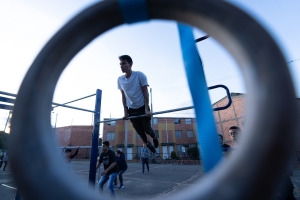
(135, 98)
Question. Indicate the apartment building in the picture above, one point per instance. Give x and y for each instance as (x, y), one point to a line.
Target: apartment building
(174, 134)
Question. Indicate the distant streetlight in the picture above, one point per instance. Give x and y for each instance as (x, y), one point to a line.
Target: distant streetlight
(151, 107)
(55, 122)
(167, 137)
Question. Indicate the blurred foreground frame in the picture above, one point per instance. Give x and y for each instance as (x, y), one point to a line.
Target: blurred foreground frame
(271, 110)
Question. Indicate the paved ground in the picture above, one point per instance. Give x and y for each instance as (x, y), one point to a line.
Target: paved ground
(162, 180)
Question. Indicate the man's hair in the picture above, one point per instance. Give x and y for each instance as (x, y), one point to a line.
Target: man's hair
(68, 150)
(235, 127)
(126, 58)
(120, 152)
(106, 143)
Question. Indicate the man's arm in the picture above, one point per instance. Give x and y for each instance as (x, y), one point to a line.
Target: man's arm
(146, 99)
(112, 165)
(63, 150)
(124, 105)
(99, 162)
(75, 154)
(98, 165)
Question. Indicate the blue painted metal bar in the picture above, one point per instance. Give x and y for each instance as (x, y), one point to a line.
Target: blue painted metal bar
(6, 107)
(7, 100)
(8, 94)
(206, 129)
(18, 195)
(95, 139)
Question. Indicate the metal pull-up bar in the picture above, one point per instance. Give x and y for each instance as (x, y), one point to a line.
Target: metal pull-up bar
(10, 107)
(180, 109)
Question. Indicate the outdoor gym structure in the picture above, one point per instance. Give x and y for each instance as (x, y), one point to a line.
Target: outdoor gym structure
(271, 104)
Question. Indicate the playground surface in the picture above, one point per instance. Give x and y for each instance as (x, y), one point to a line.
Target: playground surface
(163, 180)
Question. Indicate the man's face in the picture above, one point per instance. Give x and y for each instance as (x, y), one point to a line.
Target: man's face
(125, 66)
(233, 134)
(104, 148)
(68, 153)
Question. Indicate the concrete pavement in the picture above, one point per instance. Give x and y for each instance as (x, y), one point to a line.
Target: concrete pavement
(162, 180)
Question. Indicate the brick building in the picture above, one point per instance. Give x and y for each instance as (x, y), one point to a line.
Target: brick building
(232, 116)
(75, 136)
(174, 134)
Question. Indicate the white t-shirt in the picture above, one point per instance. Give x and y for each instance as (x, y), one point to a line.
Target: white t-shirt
(132, 88)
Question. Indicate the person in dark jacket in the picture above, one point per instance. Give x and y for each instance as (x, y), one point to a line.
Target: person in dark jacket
(121, 162)
(67, 154)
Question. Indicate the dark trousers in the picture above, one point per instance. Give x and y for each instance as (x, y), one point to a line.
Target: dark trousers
(142, 125)
(121, 172)
(5, 164)
(145, 161)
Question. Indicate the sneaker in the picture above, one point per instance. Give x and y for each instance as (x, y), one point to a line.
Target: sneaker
(121, 187)
(151, 147)
(155, 142)
(143, 173)
(115, 186)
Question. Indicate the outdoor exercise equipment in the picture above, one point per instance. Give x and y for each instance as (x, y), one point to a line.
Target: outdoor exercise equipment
(95, 133)
(183, 108)
(271, 104)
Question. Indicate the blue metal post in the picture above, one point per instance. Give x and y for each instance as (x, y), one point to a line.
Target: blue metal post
(95, 139)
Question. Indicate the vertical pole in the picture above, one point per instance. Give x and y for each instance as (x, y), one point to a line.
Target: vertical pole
(95, 139)
(18, 195)
(126, 138)
(55, 120)
(167, 138)
(151, 107)
(7, 120)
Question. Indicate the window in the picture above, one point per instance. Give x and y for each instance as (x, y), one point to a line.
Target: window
(112, 123)
(177, 121)
(138, 136)
(110, 136)
(179, 149)
(155, 120)
(178, 134)
(157, 133)
(188, 121)
(190, 134)
(138, 151)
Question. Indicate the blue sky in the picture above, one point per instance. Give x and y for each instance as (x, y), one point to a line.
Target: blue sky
(26, 26)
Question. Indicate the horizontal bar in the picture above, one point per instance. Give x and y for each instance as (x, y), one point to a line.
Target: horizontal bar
(228, 97)
(179, 109)
(6, 107)
(144, 115)
(8, 94)
(62, 105)
(202, 38)
(57, 104)
(77, 100)
(7, 100)
(81, 147)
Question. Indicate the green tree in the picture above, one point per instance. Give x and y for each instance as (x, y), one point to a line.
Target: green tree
(193, 153)
(173, 155)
